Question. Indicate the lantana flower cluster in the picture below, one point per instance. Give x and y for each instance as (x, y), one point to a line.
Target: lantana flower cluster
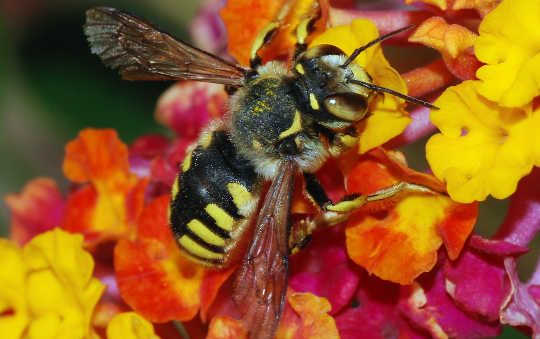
(99, 261)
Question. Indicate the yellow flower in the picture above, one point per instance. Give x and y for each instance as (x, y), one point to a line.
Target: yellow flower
(47, 289)
(509, 43)
(130, 325)
(13, 308)
(483, 148)
(388, 117)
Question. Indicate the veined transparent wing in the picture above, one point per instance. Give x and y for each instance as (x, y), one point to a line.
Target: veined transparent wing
(261, 284)
(141, 51)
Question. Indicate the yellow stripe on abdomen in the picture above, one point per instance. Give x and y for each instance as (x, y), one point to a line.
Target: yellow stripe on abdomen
(203, 232)
(186, 164)
(192, 247)
(242, 198)
(223, 219)
(175, 188)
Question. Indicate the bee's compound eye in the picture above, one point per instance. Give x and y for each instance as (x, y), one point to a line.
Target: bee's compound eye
(346, 106)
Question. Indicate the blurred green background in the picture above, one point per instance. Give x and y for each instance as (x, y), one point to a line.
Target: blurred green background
(51, 87)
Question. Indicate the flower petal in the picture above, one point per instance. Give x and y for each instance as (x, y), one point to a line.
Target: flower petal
(483, 148)
(322, 266)
(103, 216)
(187, 106)
(211, 284)
(107, 207)
(37, 209)
(427, 306)
(164, 167)
(130, 325)
(61, 291)
(245, 19)
(520, 308)
(153, 277)
(456, 227)
(374, 313)
(483, 7)
(441, 4)
(454, 42)
(207, 29)
(398, 243)
(511, 52)
(313, 312)
(14, 315)
(477, 283)
(158, 287)
(96, 155)
(397, 246)
(226, 328)
(306, 316)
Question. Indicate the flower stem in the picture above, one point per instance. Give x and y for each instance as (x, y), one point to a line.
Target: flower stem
(427, 79)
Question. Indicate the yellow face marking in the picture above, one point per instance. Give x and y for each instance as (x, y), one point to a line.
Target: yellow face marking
(206, 139)
(222, 218)
(300, 69)
(186, 164)
(205, 233)
(240, 195)
(191, 246)
(175, 188)
(296, 126)
(313, 102)
(259, 40)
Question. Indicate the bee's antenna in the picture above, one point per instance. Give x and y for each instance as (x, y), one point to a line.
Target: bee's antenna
(369, 44)
(388, 90)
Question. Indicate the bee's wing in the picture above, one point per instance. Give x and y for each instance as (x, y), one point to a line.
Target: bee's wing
(140, 51)
(261, 284)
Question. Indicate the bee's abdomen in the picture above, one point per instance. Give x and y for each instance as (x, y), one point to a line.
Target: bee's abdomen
(212, 199)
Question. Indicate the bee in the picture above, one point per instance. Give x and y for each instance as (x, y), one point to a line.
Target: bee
(281, 122)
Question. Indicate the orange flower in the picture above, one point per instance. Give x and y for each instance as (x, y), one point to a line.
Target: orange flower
(454, 42)
(305, 316)
(38, 208)
(401, 242)
(153, 276)
(481, 6)
(245, 19)
(110, 198)
(310, 318)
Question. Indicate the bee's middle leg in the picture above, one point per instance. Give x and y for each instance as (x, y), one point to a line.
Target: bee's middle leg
(340, 212)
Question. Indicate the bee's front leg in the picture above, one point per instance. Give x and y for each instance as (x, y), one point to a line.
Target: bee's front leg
(265, 36)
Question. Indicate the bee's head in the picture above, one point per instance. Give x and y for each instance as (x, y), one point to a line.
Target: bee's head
(335, 101)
